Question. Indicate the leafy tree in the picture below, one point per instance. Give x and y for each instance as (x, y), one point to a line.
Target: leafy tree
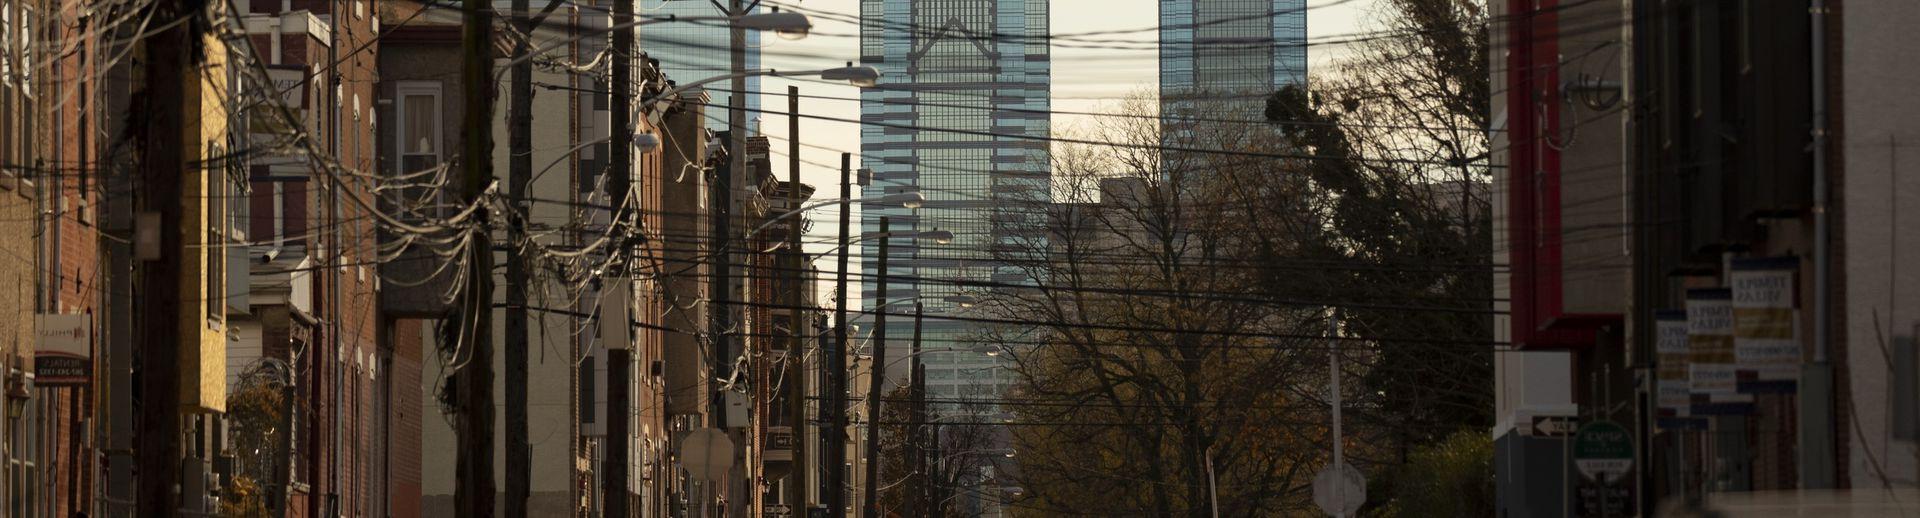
(256, 409)
(1453, 477)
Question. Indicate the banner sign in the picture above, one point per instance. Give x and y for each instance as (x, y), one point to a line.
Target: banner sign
(1766, 338)
(1674, 388)
(1710, 356)
(64, 354)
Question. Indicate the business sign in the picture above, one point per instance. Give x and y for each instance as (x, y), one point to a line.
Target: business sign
(1673, 388)
(290, 82)
(64, 352)
(1710, 341)
(1766, 338)
(1711, 369)
(1603, 451)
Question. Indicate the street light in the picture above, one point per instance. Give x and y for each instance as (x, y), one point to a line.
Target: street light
(861, 76)
(908, 199)
(790, 26)
(864, 77)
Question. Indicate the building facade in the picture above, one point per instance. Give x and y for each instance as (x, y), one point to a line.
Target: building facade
(959, 115)
(1232, 48)
(1735, 303)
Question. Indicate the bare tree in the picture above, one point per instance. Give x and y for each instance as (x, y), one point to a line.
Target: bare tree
(1154, 358)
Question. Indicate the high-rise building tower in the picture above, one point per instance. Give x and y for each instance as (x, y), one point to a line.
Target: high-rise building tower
(1230, 49)
(964, 89)
(691, 51)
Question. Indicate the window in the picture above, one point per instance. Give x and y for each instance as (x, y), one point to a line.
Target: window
(419, 134)
(214, 236)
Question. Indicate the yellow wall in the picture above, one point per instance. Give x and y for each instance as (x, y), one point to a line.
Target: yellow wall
(203, 352)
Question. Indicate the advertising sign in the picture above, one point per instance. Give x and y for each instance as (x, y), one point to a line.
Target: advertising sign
(64, 354)
(1670, 348)
(1710, 355)
(1766, 338)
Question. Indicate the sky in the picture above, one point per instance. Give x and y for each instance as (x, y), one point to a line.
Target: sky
(1084, 80)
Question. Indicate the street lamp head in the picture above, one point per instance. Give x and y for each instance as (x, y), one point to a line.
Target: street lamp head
(909, 199)
(938, 236)
(791, 26)
(644, 142)
(861, 76)
(963, 300)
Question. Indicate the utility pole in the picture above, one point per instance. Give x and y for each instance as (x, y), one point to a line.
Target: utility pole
(473, 490)
(837, 362)
(1333, 370)
(620, 186)
(519, 171)
(876, 378)
(797, 490)
(171, 58)
(741, 482)
(916, 456)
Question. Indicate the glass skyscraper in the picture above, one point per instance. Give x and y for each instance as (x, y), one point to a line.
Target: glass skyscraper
(961, 79)
(691, 51)
(1230, 49)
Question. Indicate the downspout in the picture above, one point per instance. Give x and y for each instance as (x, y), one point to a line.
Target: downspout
(335, 495)
(1817, 463)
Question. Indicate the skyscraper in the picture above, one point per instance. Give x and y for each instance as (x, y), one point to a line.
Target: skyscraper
(1238, 49)
(963, 81)
(691, 51)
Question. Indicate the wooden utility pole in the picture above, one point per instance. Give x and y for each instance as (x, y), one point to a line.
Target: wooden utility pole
(473, 471)
(836, 453)
(620, 187)
(172, 55)
(796, 370)
(876, 377)
(916, 455)
(519, 171)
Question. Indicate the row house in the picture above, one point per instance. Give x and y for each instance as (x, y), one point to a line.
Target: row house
(579, 307)
(779, 327)
(307, 324)
(1700, 219)
(66, 175)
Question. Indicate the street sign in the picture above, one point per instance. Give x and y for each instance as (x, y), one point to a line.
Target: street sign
(1605, 500)
(1603, 450)
(1553, 425)
(707, 453)
(776, 510)
(1340, 492)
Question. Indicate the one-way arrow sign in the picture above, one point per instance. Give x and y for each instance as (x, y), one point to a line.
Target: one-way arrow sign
(1553, 426)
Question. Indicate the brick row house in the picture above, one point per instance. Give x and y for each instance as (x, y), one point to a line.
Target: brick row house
(313, 375)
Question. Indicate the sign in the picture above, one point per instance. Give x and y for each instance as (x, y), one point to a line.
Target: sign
(616, 319)
(291, 83)
(1766, 337)
(707, 453)
(1603, 451)
(64, 352)
(1605, 500)
(1553, 426)
(1710, 340)
(1340, 491)
(776, 510)
(1670, 348)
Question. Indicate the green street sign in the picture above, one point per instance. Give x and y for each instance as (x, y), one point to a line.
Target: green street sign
(1603, 450)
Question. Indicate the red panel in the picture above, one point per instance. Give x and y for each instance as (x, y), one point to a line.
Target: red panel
(1538, 314)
